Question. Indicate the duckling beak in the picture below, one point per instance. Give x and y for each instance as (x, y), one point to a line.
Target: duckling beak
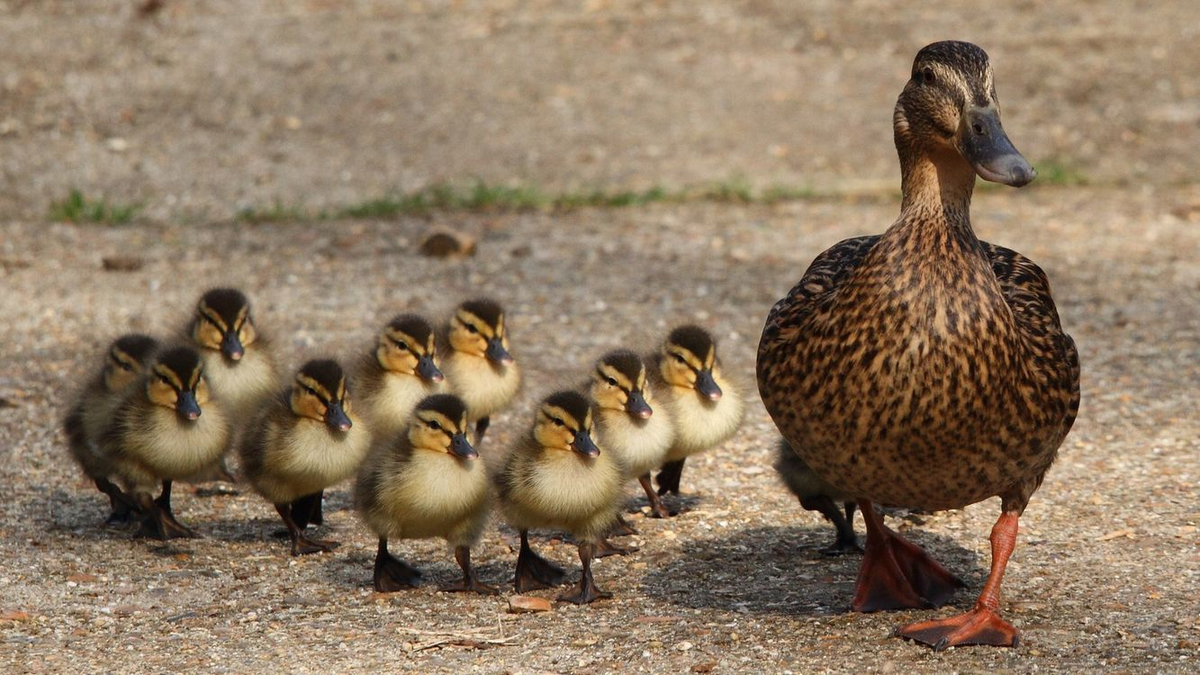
(461, 447)
(186, 405)
(636, 405)
(583, 445)
(707, 386)
(231, 346)
(497, 354)
(987, 148)
(336, 418)
(427, 371)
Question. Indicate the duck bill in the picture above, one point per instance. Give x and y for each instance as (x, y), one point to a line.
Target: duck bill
(707, 386)
(496, 353)
(336, 418)
(461, 447)
(988, 150)
(428, 371)
(231, 347)
(584, 445)
(636, 405)
(186, 405)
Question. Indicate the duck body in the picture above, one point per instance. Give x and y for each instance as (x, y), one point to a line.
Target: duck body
(477, 363)
(925, 368)
(485, 387)
(402, 370)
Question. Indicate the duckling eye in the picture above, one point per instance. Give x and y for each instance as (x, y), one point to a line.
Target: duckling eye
(558, 422)
(471, 329)
(164, 379)
(679, 358)
(310, 391)
(611, 381)
(401, 344)
(433, 424)
(927, 75)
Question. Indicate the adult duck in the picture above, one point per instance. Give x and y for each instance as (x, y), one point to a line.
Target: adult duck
(923, 367)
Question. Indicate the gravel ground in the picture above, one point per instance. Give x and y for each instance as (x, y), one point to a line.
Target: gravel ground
(208, 107)
(1105, 576)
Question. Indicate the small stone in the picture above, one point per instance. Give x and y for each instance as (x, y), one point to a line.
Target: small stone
(122, 263)
(443, 243)
(82, 577)
(684, 646)
(522, 604)
(706, 667)
(14, 615)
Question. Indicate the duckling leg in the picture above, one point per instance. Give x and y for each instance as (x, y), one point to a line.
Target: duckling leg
(481, 427)
(157, 521)
(846, 542)
(606, 548)
(622, 527)
(301, 545)
(123, 507)
(586, 592)
(307, 509)
(897, 574)
(534, 571)
(391, 573)
(462, 554)
(657, 508)
(668, 477)
(982, 625)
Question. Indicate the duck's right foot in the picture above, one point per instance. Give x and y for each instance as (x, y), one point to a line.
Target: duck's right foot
(393, 574)
(534, 572)
(897, 574)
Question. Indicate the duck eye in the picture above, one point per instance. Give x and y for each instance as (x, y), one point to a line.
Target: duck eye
(611, 381)
(927, 76)
(679, 358)
(164, 379)
(402, 344)
(558, 422)
(471, 329)
(433, 424)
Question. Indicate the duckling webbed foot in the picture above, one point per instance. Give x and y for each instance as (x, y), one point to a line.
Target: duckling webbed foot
(534, 571)
(586, 592)
(657, 508)
(622, 527)
(897, 574)
(606, 548)
(469, 582)
(302, 545)
(846, 541)
(668, 477)
(158, 523)
(981, 625)
(124, 508)
(393, 574)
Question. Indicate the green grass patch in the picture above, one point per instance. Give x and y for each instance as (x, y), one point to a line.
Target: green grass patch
(1058, 172)
(77, 208)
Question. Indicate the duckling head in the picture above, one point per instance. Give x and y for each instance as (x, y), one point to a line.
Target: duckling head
(223, 322)
(319, 393)
(439, 424)
(407, 346)
(689, 356)
(477, 328)
(176, 381)
(619, 383)
(564, 422)
(127, 359)
(949, 106)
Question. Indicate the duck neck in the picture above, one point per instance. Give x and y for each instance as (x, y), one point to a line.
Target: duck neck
(937, 187)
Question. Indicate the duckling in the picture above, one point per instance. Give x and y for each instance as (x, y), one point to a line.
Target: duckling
(400, 372)
(817, 495)
(925, 368)
(302, 442)
(237, 359)
(125, 360)
(706, 408)
(427, 481)
(558, 477)
(478, 365)
(166, 429)
(625, 421)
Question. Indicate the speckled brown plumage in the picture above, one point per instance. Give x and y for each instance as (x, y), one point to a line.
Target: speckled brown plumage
(923, 367)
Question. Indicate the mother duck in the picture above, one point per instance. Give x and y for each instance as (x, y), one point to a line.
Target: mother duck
(923, 367)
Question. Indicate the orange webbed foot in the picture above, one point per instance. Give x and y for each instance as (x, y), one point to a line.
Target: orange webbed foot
(980, 626)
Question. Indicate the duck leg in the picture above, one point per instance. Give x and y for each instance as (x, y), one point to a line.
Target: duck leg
(981, 625)
(307, 509)
(668, 477)
(534, 571)
(845, 542)
(157, 522)
(470, 582)
(606, 548)
(391, 573)
(897, 574)
(123, 507)
(622, 527)
(481, 427)
(657, 508)
(586, 592)
(301, 545)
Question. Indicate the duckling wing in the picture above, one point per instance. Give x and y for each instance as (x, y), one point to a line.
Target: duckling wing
(824, 276)
(1052, 353)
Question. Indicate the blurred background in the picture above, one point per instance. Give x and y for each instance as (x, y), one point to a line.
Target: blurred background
(208, 108)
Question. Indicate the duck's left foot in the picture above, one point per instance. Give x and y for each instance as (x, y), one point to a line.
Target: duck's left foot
(622, 528)
(897, 574)
(302, 545)
(841, 547)
(606, 548)
(586, 592)
(469, 582)
(980, 626)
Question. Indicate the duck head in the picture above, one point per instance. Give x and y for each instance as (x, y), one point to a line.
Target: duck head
(949, 107)
(689, 360)
(564, 422)
(439, 424)
(127, 359)
(319, 393)
(407, 346)
(223, 323)
(176, 381)
(477, 328)
(619, 383)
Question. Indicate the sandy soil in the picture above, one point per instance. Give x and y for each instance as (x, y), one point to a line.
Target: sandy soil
(623, 94)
